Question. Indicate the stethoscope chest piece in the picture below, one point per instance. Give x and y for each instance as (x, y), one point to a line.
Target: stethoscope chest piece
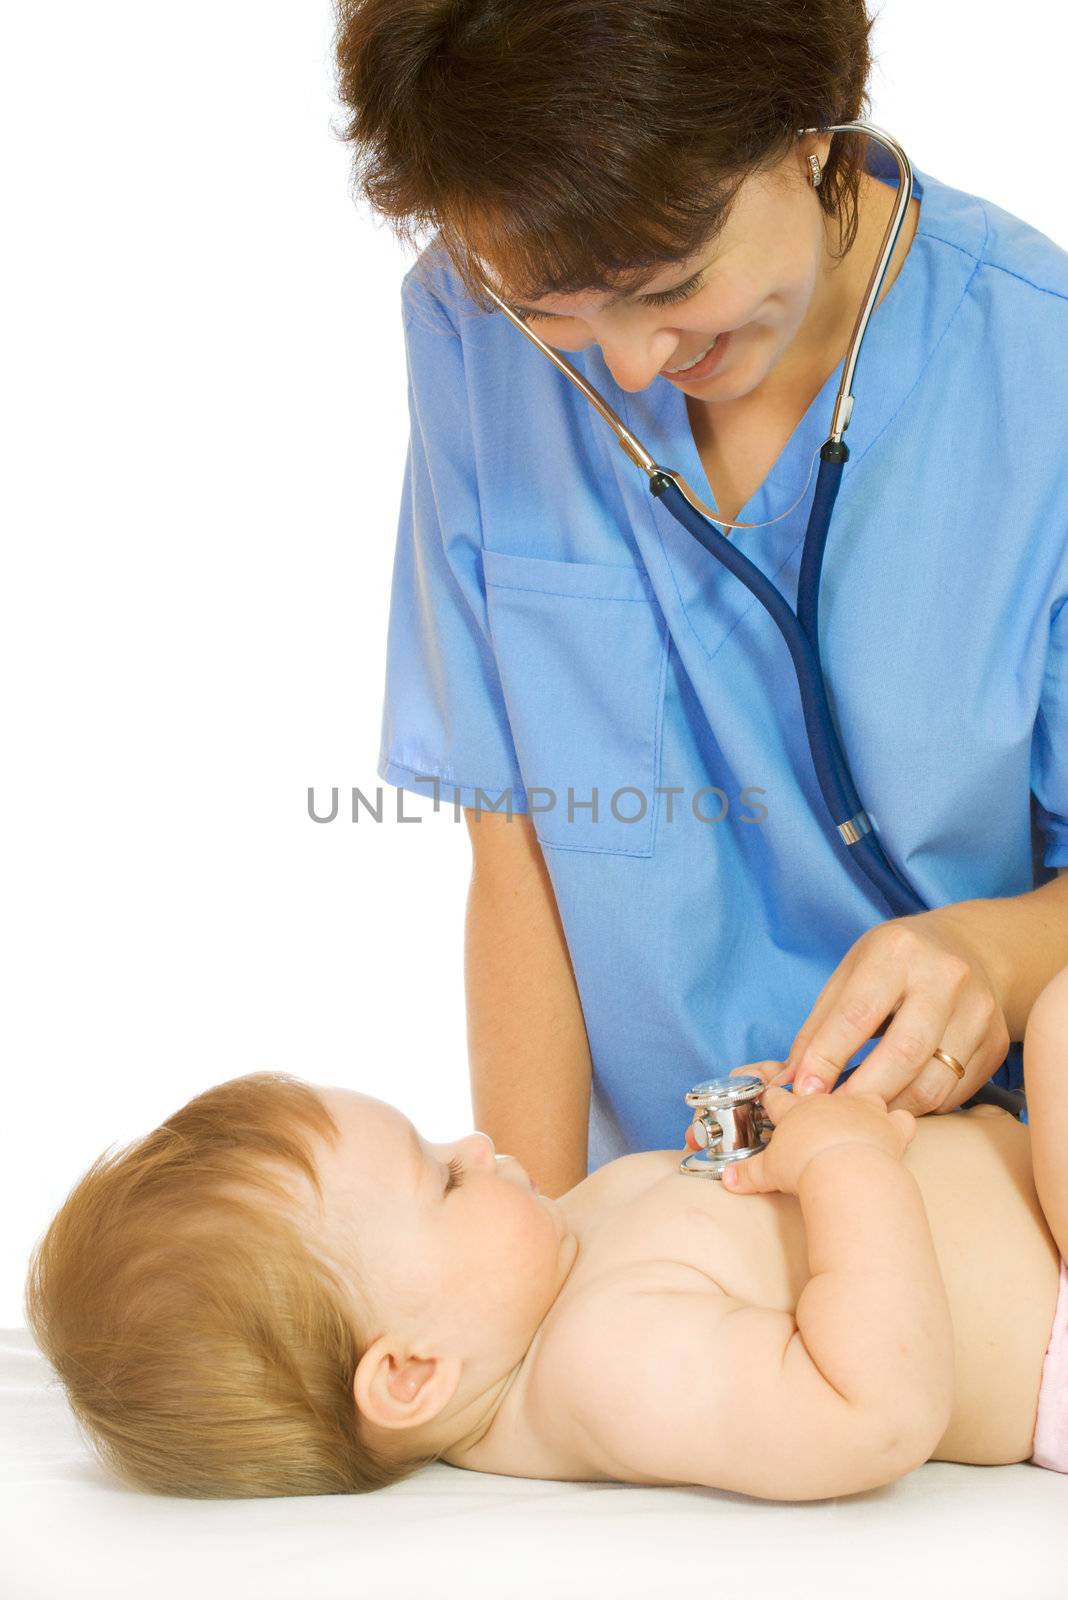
(730, 1123)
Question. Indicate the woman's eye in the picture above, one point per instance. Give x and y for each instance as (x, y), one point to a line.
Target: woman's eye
(672, 297)
(456, 1174)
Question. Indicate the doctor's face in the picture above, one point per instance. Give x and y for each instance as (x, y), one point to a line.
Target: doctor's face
(765, 283)
(445, 1238)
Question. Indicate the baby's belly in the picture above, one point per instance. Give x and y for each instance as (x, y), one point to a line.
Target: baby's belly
(998, 1259)
(1000, 1266)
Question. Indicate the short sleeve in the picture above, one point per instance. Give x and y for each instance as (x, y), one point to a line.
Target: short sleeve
(444, 720)
(1049, 762)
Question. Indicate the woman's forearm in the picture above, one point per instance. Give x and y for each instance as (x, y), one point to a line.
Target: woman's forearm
(874, 1315)
(529, 1055)
(1022, 941)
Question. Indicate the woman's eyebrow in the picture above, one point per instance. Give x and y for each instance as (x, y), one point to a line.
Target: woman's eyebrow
(617, 299)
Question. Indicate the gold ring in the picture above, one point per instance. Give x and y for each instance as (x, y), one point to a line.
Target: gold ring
(950, 1061)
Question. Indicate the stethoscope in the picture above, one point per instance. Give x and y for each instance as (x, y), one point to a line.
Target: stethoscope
(852, 824)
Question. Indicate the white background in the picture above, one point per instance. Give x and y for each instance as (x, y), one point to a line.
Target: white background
(204, 430)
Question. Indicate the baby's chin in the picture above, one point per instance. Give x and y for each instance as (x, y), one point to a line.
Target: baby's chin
(567, 1253)
(557, 1210)
(567, 1243)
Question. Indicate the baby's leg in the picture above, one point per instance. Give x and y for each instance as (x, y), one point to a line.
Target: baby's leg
(1046, 1083)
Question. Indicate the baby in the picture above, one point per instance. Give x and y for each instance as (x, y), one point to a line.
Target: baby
(258, 1300)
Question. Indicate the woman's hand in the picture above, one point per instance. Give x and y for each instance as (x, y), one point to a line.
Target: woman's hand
(923, 974)
(805, 1127)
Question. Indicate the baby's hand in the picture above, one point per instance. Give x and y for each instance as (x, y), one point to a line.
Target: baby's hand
(805, 1125)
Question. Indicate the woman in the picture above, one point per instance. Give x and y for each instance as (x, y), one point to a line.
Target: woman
(664, 899)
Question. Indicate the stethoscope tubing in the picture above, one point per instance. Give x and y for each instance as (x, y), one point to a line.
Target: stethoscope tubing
(828, 758)
(799, 630)
(801, 636)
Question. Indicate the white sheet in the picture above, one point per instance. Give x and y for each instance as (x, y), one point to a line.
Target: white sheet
(71, 1531)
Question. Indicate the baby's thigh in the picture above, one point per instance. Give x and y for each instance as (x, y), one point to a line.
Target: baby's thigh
(1046, 1083)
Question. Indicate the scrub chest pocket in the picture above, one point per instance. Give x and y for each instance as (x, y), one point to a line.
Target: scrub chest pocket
(581, 648)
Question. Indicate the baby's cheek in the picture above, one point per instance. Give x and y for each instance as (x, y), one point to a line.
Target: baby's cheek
(536, 1237)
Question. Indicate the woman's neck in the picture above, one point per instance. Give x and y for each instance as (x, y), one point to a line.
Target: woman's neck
(824, 337)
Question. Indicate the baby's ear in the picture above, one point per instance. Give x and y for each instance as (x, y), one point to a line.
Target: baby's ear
(393, 1389)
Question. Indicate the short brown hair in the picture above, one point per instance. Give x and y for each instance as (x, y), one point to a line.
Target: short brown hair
(203, 1337)
(570, 141)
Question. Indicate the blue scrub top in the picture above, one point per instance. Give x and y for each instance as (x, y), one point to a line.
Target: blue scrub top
(553, 628)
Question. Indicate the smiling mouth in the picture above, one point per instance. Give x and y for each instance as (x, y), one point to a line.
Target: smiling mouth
(672, 371)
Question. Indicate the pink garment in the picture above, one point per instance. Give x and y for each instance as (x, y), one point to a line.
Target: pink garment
(1050, 1443)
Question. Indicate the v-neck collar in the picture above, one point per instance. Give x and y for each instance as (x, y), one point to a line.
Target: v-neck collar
(875, 403)
(903, 332)
(903, 335)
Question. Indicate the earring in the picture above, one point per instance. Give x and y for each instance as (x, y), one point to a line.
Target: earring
(816, 177)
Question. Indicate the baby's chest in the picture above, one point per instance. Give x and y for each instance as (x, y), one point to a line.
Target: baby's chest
(750, 1247)
(679, 1234)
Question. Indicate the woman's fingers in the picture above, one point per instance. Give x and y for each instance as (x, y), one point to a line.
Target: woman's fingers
(906, 1047)
(974, 1033)
(919, 983)
(874, 987)
(769, 1071)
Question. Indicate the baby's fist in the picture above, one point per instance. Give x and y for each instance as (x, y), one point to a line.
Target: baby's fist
(805, 1125)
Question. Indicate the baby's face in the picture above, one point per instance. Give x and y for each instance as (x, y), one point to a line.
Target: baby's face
(440, 1252)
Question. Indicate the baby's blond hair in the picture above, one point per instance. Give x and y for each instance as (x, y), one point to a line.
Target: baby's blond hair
(205, 1342)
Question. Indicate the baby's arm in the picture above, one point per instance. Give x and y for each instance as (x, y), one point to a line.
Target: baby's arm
(853, 1392)
(1046, 1083)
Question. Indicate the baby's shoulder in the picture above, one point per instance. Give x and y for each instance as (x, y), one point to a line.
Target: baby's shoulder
(592, 1354)
(617, 1181)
